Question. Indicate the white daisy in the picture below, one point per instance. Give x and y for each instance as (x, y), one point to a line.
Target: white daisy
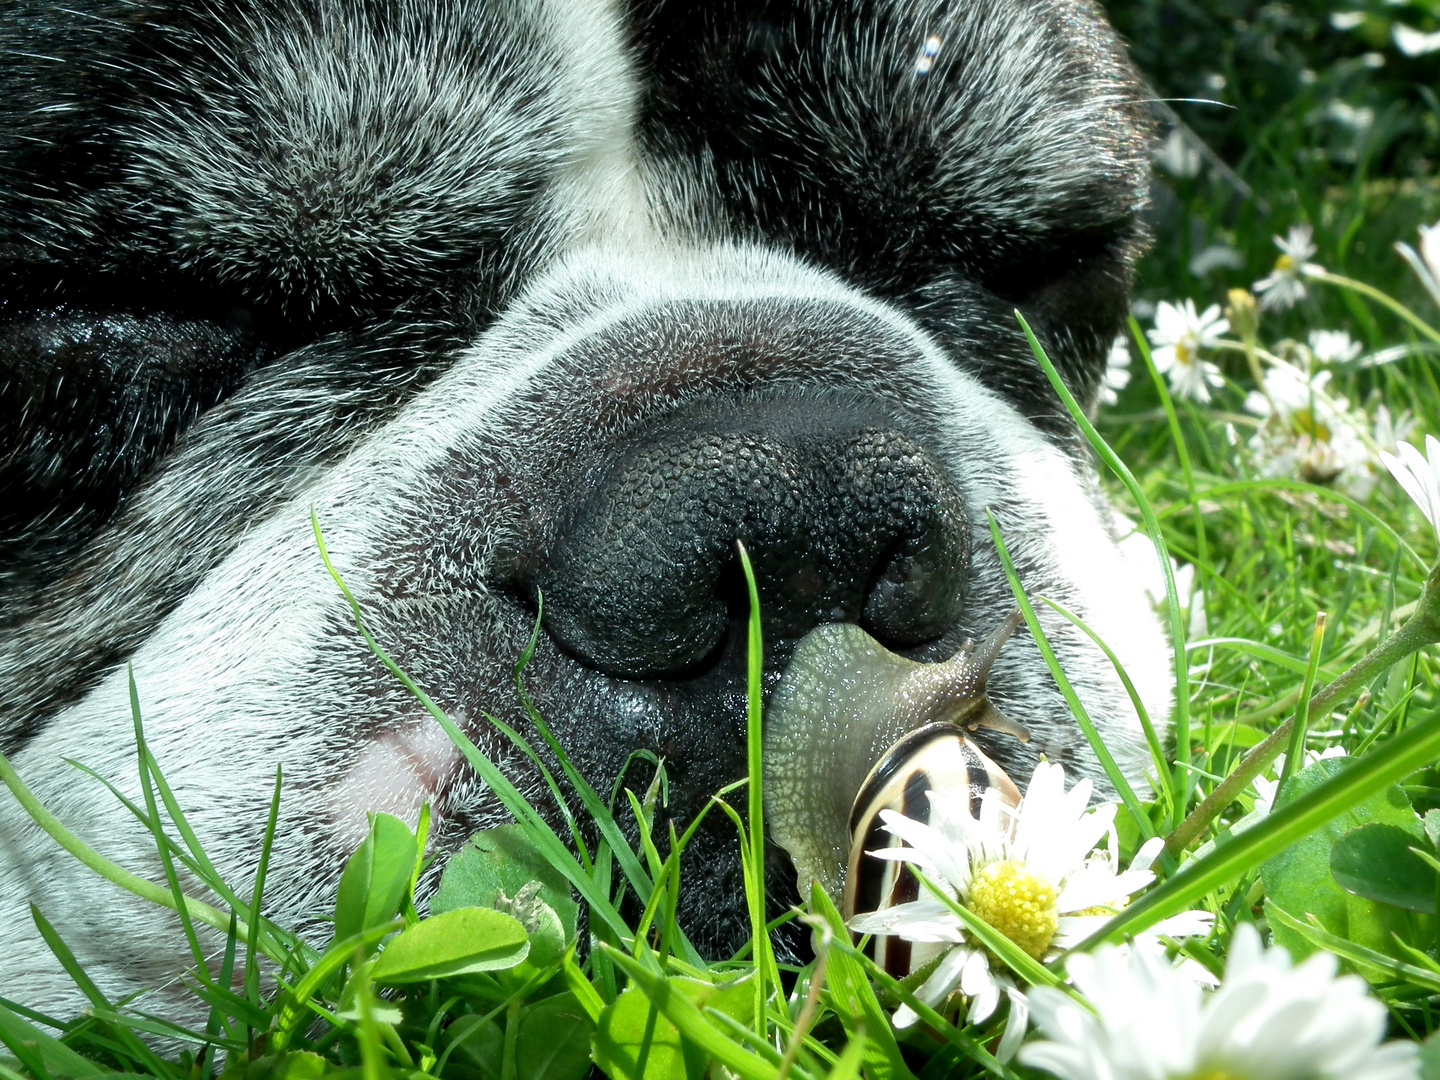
(1285, 285)
(1419, 478)
(1268, 1020)
(1266, 788)
(1178, 336)
(1414, 42)
(1425, 262)
(1310, 434)
(1391, 431)
(1032, 872)
(1333, 346)
(1117, 371)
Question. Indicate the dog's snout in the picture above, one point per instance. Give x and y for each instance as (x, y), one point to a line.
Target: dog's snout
(845, 516)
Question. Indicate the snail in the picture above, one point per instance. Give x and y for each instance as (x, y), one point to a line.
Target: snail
(853, 729)
(936, 757)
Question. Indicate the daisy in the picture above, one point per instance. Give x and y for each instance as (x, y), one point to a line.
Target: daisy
(1309, 434)
(1419, 478)
(1268, 1020)
(1425, 262)
(1178, 336)
(1333, 346)
(1032, 872)
(1265, 789)
(1391, 431)
(1117, 371)
(1285, 285)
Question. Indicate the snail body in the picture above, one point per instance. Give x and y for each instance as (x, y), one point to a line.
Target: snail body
(841, 711)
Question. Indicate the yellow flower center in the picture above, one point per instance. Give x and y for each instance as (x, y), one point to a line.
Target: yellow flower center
(1184, 352)
(1284, 262)
(1021, 905)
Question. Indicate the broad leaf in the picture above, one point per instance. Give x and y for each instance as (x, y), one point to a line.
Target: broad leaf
(1299, 877)
(481, 1047)
(502, 860)
(636, 1042)
(375, 878)
(455, 943)
(554, 1040)
(1376, 862)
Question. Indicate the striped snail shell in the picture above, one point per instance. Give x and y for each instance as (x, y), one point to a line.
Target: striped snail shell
(936, 757)
(841, 706)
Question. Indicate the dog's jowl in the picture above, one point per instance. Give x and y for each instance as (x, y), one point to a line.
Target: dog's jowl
(543, 298)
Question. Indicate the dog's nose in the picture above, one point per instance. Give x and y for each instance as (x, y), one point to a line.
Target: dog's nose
(845, 516)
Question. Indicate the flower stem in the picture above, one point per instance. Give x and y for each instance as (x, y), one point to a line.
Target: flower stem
(1421, 629)
(1380, 298)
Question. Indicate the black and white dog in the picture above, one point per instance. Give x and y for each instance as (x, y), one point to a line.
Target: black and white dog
(526, 297)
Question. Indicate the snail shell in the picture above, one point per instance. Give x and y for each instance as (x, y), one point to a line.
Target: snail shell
(936, 757)
(842, 704)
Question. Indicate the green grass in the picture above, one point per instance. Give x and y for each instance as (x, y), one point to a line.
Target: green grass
(494, 983)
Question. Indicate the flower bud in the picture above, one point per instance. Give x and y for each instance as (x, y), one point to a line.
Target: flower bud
(1243, 315)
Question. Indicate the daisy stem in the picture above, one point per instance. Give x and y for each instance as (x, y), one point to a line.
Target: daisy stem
(1380, 298)
(1421, 629)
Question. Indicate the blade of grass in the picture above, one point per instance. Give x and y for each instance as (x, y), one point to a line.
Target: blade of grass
(1182, 777)
(589, 798)
(766, 974)
(853, 998)
(1348, 950)
(1177, 438)
(948, 1031)
(1152, 737)
(116, 874)
(157, 828)
(280, 939)
(1295, 760)
(1413, 748)
(133, 1047)
(1270, 485)
(294, 1005)
(42, 1055)
(252, 969)
(1097, 744)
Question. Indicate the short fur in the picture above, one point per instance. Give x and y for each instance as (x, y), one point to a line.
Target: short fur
(434, 269)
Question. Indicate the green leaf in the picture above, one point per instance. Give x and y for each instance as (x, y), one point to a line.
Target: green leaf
(635, 1041)
(375, 878)
(1376, 862)
(503, 860)
(678, 1002)
(1432, 828)
(481, 1046)
(852, 997)
(294, 1065)
(1430, 1058)
(1298, 879)
(554, 1040)
(42, 1054)
(546, 936)
(455, 943)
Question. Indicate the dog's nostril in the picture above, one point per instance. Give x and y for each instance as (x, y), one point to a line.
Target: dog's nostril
(845, 518)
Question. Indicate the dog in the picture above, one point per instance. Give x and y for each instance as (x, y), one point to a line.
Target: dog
(531, 303)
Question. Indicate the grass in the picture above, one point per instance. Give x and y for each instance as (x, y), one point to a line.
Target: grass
(1316, 619)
